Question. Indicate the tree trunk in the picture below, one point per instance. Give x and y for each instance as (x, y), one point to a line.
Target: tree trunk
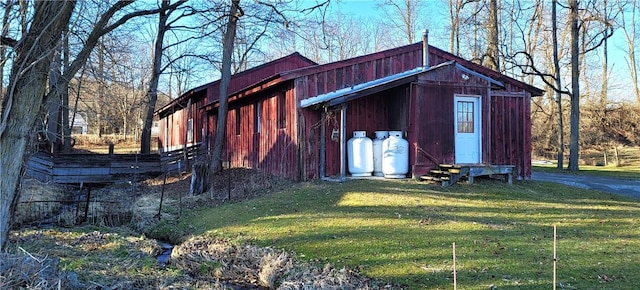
(454, 34)
(101, 90)
(66, 127)
(27, 86)
(3, 49)
(630, 36)
(229, 37)
(574, 149)
(605, 64)
(54, 105)
(492, 56)
(152, 93)
(558, 77)
(634, 73)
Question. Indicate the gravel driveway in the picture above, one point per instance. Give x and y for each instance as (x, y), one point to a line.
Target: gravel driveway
(626, 187)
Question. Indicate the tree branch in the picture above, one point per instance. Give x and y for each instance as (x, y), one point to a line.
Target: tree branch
(8, 41)
(311, 9)
(543, 75)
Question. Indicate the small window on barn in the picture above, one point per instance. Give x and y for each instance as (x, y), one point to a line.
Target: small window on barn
(282, 110)
(237, 111)
(256, 116)
(465, 117)
(189, 130)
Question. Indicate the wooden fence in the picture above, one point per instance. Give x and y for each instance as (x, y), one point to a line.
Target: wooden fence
(107, 168)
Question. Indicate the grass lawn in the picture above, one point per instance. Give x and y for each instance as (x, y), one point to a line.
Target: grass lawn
(402, 232)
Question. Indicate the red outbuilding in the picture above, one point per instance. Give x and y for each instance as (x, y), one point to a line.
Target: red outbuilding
(291, 117)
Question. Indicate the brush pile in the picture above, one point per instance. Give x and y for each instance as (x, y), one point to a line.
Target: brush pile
(27, 271)
(253, 267)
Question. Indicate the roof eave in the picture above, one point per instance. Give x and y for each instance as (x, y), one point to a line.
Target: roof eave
(328, 98)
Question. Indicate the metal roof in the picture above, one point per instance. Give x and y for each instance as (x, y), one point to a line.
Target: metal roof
(343, 95)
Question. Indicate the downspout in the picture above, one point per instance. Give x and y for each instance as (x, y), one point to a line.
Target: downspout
(323, 141)
(425, 49)
(343, 141)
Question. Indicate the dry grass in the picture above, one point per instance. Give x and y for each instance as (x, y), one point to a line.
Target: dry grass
(94, 259)
(208, 257)
(32, 192)
(233, 185)
(26, 271)
(96, 144)
(109, 206)
(97, 257)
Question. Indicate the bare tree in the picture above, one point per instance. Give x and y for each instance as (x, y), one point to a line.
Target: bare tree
(403, 15)
(59, 88)
(4, 35)
(25, 95)
(235, 13)
(628, 24)
(574, 145)
(605, 60)
(28, 85)
(593, 29)
(455, 23)
(232, 15)
(558, 79)
(152, 93)
(340, 37)
(491, 58)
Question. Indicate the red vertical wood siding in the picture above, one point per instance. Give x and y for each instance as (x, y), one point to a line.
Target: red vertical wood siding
(431, 128)
(177, 124)
(272, 150)
(334, 76)
(432, 119)
(511, 128)
(252, 76)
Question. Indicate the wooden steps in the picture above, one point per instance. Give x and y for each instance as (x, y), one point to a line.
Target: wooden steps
(448, 174)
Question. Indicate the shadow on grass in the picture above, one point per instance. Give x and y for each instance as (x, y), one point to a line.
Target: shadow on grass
(403, 232)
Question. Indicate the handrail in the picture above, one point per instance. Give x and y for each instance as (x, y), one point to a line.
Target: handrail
(426, 154)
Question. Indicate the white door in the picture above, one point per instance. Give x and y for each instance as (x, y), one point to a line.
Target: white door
(467, 129)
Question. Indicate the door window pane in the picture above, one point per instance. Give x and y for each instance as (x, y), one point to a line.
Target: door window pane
(465, 117)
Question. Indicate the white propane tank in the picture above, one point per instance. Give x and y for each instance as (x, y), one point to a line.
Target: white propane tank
(395, 156)
(377, 152)
(360, 154)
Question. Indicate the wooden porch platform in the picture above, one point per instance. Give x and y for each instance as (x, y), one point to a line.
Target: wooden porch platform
(105, 168)
(449, 174)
